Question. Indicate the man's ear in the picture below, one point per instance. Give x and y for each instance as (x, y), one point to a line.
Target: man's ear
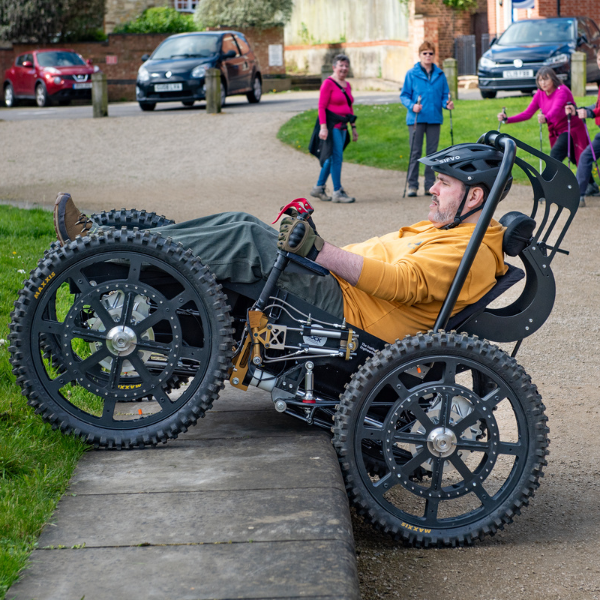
(475, 198)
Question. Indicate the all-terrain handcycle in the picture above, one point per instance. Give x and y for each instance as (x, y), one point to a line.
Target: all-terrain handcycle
(441, 436)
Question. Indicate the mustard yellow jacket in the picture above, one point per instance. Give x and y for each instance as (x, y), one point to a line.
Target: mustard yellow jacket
(406, 276)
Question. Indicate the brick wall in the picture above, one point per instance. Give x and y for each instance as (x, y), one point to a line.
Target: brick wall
(128, 49)
(121, 11)
(441, 25)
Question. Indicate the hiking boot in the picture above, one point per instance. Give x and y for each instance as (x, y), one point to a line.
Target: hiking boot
(320, 192)
(581, 201)
(592, 189)
(69, 221)
(412, 192)
(341, 197)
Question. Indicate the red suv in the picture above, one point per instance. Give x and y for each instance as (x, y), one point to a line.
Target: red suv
(48, 76)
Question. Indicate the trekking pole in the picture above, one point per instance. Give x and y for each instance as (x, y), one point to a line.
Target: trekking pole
(500, 124)
(541, 144)
(410, 147)
(569, 136)
(591, 147)
(451, 125)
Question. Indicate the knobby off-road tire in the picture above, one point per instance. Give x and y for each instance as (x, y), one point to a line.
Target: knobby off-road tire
(112, 356)
(458, 466)
(130, 218)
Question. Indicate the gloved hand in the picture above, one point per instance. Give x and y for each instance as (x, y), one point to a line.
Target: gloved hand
(298, 237)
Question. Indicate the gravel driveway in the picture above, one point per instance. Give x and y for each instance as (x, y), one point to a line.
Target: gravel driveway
(189, 164)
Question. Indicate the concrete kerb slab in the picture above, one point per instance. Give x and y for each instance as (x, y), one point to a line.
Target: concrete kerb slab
(247, 504)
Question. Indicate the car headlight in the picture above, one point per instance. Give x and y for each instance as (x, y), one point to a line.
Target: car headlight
(487, 63)
(559, 59)
(143, 74)
(57, 80)
(199, 71)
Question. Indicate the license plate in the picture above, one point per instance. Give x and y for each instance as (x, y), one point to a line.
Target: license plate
(82, 86)
(524, 74)
(168, 87)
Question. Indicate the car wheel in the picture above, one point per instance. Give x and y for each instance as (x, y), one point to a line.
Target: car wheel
(187, 102)
(41, 95)
(64, 102)
(9, 96)
(487, 95)
(223, 94)
(147, 105)
(255, 95)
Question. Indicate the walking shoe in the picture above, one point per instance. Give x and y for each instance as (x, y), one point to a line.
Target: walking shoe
(320, 192)
(581, 201)
(69, 221)
(428, 193)
(592, 189)
(412, 192)
(341, 197)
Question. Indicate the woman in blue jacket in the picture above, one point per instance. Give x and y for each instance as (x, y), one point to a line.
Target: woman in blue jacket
(427, 82)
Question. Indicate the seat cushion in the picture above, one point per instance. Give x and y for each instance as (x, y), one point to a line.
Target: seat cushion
(519, 229)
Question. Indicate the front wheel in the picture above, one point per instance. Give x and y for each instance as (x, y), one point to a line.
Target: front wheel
(255, 95)
(9, 96)
(41, 95)
(147, 106)
(130, 312)
(187, 102)
(429, 454)
(487, 95)
(130, 218)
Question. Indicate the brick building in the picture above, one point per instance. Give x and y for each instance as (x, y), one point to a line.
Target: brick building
(501, 13)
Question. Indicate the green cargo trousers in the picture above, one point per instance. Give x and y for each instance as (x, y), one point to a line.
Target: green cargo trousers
(240, 248)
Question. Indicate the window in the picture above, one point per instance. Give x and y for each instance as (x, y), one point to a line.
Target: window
(582, 30)
(60, 58)
(229, 44)
(187, 46)
(593, 28)
(186, 5)
(243, 44)
(20, 60)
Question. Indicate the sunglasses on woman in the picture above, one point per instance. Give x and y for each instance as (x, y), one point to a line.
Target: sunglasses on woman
(427, 53)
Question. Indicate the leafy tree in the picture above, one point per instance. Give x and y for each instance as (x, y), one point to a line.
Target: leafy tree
(462, 5)
(261, 14)
(159, 20)
(44, 21)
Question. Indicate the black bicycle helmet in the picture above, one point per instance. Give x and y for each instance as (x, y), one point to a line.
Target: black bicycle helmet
(473, 164)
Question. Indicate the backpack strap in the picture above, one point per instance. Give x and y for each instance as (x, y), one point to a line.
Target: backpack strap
(343, 90)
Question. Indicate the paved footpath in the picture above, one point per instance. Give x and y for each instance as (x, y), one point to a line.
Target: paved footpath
(248, 504)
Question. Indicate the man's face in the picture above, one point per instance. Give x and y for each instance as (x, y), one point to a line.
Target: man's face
(446, 195)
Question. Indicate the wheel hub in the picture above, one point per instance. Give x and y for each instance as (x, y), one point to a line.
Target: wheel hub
(121, 340)
(441, 441)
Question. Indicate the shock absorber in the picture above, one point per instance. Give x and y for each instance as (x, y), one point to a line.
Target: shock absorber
(309, 382)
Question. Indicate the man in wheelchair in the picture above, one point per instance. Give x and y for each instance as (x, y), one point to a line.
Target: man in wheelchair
(389, 286)
(124, 336)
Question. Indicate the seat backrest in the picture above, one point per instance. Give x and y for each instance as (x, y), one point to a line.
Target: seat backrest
(518, 233)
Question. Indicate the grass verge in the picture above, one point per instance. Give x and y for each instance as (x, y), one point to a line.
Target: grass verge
(36, 463)
(383, 134)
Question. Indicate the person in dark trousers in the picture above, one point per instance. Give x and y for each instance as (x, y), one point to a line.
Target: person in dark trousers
(586, 160)
(428, 81)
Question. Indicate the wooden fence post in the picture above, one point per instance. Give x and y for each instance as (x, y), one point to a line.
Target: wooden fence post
(451, 72)
(213, 91)
(99, 94)
(578, 73)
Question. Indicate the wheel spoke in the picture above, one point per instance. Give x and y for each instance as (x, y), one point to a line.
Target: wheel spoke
(93, 360)
(80, 280)
(135, 268)
(410, 438)
(401, 390)
(514, 449)
(482, 495)
(196, 353)
(460, 466)
(494, 397)
(370, 433)
(431, 511)
(140, 367)
(162, 397)
(148, 323)
(115, 372)
(416, 461)
(108, 412)
(449, 376)
(470, 420)
(181, 299)
(379, 488)
(153, 346)
(437, 474)
(45, 326)
(421, 416)
(88, 334)
(445, 409)
(127, 309)
(102, 313)
(473, 446)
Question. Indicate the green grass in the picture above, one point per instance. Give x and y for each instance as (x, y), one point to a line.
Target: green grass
(383, 134)
(36, 463)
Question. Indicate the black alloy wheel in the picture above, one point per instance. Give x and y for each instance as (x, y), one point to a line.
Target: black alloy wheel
(255, 95)
(147, 106)
(187, 103)
(429, 454)
(132, 311)
(487, 95)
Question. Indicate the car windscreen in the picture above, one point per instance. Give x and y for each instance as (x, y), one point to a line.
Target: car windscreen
(187, 46)
(60, 59)
(538, 32)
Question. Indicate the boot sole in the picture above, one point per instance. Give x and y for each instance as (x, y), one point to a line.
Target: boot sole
(59, 218)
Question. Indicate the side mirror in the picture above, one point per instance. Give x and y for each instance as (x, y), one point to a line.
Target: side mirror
(229, 54)
(89, 61)
(145, 57)
(493, 41)
(27, 64)
(582, 39)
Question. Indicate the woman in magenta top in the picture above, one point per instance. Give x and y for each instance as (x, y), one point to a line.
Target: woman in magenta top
(551, 99)
(335, 98)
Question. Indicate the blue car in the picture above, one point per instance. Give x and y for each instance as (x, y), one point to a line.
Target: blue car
(513, 60)
(177, 68)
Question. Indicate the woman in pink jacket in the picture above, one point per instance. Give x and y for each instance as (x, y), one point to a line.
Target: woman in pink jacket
(551, 99)
(335, 97)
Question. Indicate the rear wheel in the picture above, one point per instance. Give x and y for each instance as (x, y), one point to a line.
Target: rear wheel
(187, 102)
(41, 95)
(130, 218)
(256, 94)
(441, 439)
(9, 96)
(131, 311)
(147, 106)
